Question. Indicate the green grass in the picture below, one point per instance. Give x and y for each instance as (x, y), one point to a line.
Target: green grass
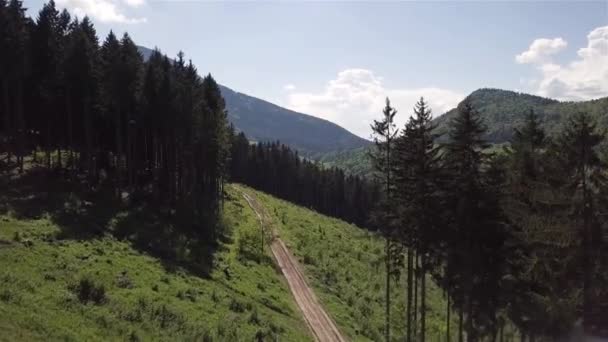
(346, 268)
(46, 267)
(75, 265)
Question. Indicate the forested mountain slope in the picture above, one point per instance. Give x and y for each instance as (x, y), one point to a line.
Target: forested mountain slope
(264, 121)
(504, 110)
(501, 110)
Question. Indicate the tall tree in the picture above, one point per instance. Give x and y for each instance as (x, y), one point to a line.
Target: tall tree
(14, 70)
(476, 241)
(385, 132)
(418, 177)
(586, 178)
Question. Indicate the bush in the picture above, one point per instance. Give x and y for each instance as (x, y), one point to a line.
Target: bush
(123, 281)
(89, 291)
(236, 306)
(254, 318)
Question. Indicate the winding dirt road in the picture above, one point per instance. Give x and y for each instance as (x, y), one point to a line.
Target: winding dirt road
(322, 326)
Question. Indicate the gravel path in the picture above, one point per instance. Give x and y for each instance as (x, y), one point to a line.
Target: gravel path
(322, 326)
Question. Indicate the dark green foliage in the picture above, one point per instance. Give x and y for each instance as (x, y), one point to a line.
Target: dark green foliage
(88, 290)
(384, 217)
(276, 169)
(153, 132)
(419, 179)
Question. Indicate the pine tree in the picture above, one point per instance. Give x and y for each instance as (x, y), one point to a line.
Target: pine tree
(46, 56)
(587, 183)
(384, 137)
(418, 177)
(14, 70)
(476, 241)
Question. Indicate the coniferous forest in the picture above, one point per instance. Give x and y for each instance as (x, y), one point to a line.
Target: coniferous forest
(514, 237)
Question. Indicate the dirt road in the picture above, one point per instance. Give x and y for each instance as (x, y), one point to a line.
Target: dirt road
(322, 326)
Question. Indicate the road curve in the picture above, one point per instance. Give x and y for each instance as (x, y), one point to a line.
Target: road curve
(321, 325)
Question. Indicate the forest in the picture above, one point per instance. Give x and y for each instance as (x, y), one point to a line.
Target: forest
(515, 237)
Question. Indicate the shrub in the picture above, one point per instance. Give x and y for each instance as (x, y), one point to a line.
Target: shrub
(6, 296)
(236, 306)
(254, 318)
(89, 291)
(207, 337)
(123, 281)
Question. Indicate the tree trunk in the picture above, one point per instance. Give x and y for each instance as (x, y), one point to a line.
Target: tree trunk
(460, 320)
(118, 150)
(423, 301)
(410, 267)
(415, 309)
(448, 318)
(387, 333)
(20, 124)
(68, 106)
(7, 118)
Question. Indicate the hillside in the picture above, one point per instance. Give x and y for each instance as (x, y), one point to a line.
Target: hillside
(501, 110)
(345, 266)
(504, 110)
(75, 265)
(76, 269)
(264, 121)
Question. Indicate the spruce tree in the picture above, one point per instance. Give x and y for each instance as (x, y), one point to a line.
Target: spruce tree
(418, 177)
(578, 144)
(385, 132)
(476, 240)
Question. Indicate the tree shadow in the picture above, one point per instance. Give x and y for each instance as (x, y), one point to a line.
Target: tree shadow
(83, 212)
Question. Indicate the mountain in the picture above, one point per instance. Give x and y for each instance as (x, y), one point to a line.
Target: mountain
(501, 110)
(504, 110)
(264, 121)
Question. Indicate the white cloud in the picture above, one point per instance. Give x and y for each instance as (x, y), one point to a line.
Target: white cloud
(135, 3)
(356, 97)
(106, 11)
(584, 78)
(540, 50)
(289, 87)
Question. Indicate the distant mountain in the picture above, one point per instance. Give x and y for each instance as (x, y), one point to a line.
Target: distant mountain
(264, 121)
(504, 110)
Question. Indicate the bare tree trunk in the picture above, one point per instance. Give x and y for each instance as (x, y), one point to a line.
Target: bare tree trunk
(48, 144)
(410, 267)
(7, 118)
(387, 333)
(68, 106)
(460, 320)
(448, 318)
(415, 309)
(423, 300)
(20, 125)
(118, 157)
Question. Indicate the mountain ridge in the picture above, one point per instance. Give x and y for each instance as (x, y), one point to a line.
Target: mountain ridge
(504, 110)
(264, 121)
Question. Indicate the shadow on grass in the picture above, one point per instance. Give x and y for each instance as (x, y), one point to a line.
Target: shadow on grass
(84, 213)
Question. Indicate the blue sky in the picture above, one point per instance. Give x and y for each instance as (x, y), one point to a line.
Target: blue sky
(339, 60)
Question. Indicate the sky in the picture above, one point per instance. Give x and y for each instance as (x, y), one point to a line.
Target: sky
(340, 60)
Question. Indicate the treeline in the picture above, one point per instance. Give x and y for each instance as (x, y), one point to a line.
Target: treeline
(276, 169)
(101, 115)
(514, 238)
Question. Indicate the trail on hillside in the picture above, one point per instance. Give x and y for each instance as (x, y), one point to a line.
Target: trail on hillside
(322, 326)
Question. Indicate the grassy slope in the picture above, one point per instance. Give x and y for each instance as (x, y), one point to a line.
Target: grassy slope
(148, 298)
(346, 267)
